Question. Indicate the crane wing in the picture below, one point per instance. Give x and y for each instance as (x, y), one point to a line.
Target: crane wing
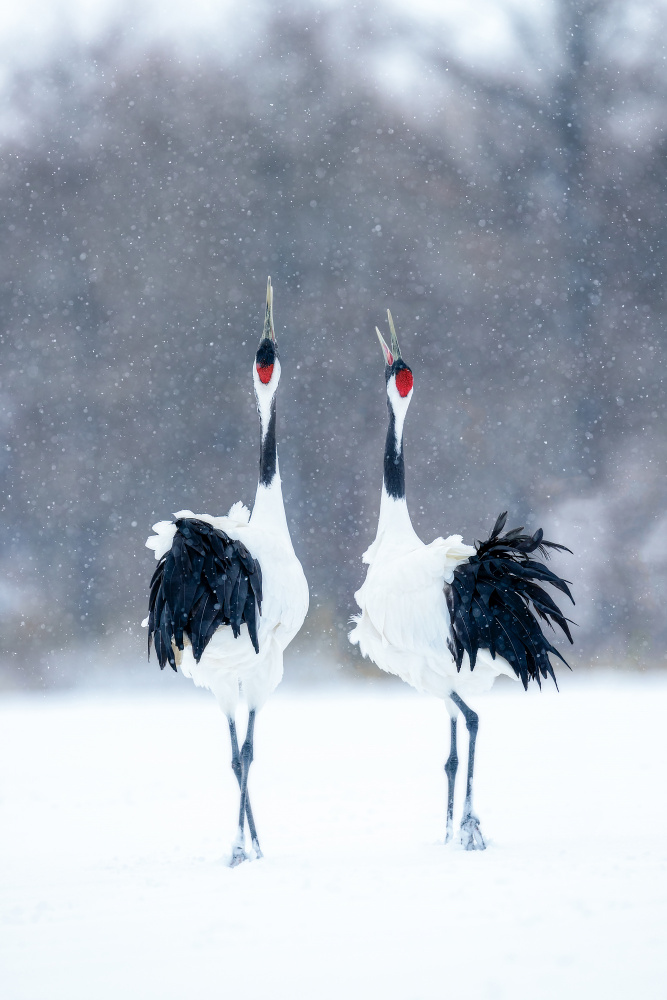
(403, 595)
(205, 580)
(496, 603)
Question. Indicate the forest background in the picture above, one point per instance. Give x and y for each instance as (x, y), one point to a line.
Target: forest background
(501, 186)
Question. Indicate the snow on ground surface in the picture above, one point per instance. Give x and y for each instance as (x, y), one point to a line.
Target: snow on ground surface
(116, 811)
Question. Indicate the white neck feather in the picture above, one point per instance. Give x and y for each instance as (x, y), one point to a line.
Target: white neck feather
(394, 517)
(269, 509)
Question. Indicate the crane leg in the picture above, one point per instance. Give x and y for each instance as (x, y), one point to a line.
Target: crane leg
(471, 835)
(237, 768)
(241, 765)
(451, 767)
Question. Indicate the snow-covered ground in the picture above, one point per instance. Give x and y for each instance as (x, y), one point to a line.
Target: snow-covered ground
(116, 811)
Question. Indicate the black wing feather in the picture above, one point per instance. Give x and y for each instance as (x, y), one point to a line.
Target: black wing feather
(205, 581)
(495, 603)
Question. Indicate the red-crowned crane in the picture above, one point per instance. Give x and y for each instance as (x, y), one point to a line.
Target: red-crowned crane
(448, 618)
(229, 594)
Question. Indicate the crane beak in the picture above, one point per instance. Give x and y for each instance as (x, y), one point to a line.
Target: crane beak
(390, 355)
(269, 332)
(395, 349)
(385, 350)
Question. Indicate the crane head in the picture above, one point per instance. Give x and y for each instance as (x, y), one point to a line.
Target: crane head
(267, 366)
(396, 372)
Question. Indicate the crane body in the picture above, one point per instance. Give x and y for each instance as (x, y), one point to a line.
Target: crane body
(229, 593)
(448, 618)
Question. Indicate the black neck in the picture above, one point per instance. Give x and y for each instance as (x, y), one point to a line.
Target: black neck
(394, 467)
(268, 453)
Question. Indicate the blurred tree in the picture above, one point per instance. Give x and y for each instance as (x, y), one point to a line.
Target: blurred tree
(512, 220)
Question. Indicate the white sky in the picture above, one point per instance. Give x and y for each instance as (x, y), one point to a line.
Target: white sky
(481, 31)
(490, 34)
(30, 28)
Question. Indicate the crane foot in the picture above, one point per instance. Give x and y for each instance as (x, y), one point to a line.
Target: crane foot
(238, 856)
(471, 835)
(256, 849)
(238, 851)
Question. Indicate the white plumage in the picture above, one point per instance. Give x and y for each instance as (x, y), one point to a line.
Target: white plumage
(404, 625)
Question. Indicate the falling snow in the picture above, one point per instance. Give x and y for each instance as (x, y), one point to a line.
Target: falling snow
(497, 181)
(512, 223)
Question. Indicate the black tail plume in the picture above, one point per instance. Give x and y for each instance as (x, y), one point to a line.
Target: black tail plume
(496, 603)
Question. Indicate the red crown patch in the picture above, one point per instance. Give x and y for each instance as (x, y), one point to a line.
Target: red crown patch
(404, 382)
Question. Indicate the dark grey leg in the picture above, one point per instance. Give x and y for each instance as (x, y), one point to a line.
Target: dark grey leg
(471, 835)
(246, 761)
(238, 852)
(451, 767)
(237, 768)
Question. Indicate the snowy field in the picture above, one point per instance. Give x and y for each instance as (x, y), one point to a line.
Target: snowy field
(116, 811)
